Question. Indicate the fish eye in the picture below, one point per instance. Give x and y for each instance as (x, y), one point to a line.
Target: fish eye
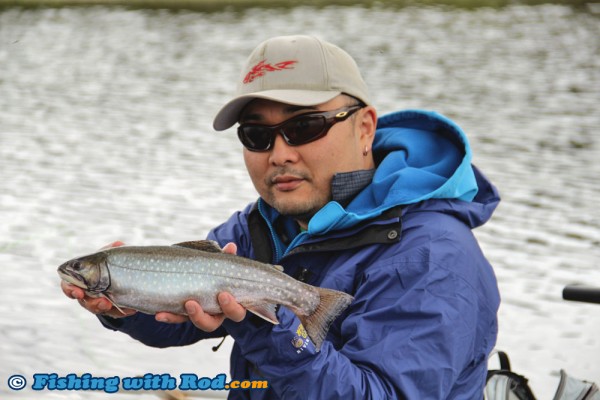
(76, 265)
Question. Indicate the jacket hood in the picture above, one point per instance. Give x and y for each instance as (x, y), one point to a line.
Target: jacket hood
(419, 155)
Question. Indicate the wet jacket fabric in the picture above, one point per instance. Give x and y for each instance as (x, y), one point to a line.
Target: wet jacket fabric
(423, 319)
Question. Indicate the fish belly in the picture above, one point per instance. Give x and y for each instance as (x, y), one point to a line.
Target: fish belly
(159, 284)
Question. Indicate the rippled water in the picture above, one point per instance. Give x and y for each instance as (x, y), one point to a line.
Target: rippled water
(105, 134)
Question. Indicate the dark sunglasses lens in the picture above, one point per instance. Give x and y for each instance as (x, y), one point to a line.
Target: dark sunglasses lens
(255, 137)
(304, 129)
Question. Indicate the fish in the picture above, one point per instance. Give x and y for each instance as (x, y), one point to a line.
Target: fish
(153, 279)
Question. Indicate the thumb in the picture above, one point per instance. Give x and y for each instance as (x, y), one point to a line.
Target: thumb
(230, 248)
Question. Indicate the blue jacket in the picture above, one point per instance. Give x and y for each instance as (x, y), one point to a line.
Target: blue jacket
(424, 316)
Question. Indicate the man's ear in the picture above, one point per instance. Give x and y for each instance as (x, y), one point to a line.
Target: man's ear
(367, 123)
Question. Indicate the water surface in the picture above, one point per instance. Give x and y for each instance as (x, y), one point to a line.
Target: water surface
(105, 134)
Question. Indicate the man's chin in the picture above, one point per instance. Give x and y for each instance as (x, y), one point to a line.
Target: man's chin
(302, 212)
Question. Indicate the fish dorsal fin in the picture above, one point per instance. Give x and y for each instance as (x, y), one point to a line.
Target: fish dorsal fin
(278, 267)
(209, 246)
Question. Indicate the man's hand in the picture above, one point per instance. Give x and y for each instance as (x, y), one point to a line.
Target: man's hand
(206, 322)
(99, 305)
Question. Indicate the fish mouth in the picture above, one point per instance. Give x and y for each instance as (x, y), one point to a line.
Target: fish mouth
(71, 278)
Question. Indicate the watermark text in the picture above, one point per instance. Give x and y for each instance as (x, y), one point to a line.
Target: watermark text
(148, 382)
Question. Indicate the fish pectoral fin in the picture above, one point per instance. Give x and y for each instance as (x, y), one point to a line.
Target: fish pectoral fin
(209, 246)
(107, 297)
(265, 311)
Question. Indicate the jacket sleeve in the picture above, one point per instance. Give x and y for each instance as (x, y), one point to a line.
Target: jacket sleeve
(146, 329)
(419, 328)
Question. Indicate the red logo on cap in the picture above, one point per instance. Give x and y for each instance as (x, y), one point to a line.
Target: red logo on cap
(263, 67)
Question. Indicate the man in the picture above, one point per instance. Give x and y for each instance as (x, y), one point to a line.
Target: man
(380, 209)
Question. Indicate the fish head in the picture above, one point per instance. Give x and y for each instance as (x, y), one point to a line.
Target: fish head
(90, 273)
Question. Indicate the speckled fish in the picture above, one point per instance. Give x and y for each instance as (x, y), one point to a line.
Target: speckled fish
(162, 278)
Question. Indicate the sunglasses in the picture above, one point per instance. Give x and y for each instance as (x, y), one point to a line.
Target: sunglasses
(296, 131)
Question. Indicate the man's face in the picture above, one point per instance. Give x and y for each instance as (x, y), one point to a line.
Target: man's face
(296, 180)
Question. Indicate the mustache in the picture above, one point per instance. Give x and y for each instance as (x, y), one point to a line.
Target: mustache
(271, 178)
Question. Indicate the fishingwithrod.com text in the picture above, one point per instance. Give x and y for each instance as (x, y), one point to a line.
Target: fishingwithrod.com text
(113, 384)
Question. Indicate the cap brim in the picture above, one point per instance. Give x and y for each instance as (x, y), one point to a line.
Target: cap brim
(230, 113)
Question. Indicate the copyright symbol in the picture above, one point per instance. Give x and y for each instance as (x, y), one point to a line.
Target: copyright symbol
(17, 382)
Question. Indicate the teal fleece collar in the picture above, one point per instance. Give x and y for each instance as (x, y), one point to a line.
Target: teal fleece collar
(419, 155)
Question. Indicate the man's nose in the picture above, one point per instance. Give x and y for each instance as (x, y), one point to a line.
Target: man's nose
(282, 153)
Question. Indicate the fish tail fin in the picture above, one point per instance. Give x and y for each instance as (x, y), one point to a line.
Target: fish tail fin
(331, 305)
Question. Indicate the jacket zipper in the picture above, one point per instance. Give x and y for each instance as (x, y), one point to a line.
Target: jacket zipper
(277, 256)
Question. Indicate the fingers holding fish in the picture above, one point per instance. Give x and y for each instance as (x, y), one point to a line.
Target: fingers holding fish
(94, 305)
(230, 248)
(72, 291)
(204, 321)
(231, 308)
(201, 319)
(117, 243)
(208, 322)
(101, 306)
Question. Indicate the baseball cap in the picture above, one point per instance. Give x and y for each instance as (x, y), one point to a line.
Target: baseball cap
(299, 70)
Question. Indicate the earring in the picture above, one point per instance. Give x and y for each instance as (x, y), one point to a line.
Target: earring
(365, 151)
